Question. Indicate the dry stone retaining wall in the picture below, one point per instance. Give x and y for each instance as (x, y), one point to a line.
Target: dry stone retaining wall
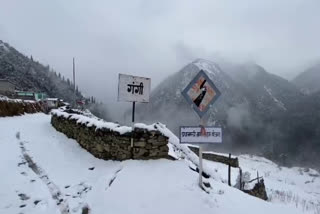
(234, 162)
(109, 144)
(10, 107)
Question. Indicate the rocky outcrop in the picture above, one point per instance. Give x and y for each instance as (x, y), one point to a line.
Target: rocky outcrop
(110, 141)
(259, 190)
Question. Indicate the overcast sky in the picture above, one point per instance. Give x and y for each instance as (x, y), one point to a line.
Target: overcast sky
(156, 38)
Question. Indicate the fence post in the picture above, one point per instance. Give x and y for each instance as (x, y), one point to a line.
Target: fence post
(229, 170)
(240, 178)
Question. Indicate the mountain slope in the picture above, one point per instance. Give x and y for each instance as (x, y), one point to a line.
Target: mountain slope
(251, 101)
(300, 129)
(268, 90)
(166, 99)
(29, 75)
(308, 81)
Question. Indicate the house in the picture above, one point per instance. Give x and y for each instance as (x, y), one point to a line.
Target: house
(52, 103)
(24, 95)
(7, 88)
(40, 96)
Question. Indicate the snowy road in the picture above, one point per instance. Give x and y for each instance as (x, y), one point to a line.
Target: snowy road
(42, 171)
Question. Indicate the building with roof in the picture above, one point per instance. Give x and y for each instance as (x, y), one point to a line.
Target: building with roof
(7, 88)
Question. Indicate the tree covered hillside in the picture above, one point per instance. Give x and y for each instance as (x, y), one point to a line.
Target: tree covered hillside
(30, 75)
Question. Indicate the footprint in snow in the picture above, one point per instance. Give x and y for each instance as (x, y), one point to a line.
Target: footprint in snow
(36, 202)
(23, 197)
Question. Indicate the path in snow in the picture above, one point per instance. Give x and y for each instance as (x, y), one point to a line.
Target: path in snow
(53, 189)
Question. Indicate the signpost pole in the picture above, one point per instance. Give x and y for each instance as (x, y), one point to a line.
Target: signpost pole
(133, 111)
(203, 124)
(200, 166)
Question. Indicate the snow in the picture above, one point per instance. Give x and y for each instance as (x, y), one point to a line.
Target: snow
(65, 177)
(207, 66)
(4, 98)
(295, 187)
(29, 101)
(92, 121)
(278, 102)
(144, 126)
(89, 120)
(2, 45)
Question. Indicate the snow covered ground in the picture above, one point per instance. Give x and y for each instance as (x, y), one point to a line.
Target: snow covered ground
(42, 171)
(295, 187)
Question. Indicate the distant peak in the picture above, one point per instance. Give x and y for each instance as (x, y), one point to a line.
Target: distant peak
(4, 45)
(207, 66)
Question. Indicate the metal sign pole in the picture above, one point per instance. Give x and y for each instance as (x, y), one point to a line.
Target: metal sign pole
(200, 166)
(133, 111)
(202, 123)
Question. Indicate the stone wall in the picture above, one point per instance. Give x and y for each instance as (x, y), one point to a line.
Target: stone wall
(10, 107)
(234, 162)
(108, 143)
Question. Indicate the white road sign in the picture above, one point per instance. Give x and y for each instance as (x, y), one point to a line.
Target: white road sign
(198, 135)
(133, 89)
(201, 93)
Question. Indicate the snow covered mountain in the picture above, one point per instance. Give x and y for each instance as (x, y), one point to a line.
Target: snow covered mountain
(46, 172)
(166, 99)
(252, 99)
(308, 81)
(270, 92)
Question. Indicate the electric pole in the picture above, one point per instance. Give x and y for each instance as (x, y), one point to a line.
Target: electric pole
(74, 81)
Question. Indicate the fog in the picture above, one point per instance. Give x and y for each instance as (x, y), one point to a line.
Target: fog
(155, 39)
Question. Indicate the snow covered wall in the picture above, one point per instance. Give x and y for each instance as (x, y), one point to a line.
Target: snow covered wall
(15, 107)
(110, 141)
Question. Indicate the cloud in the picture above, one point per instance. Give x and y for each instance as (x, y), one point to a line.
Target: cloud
(156, 38)
(239, 116)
